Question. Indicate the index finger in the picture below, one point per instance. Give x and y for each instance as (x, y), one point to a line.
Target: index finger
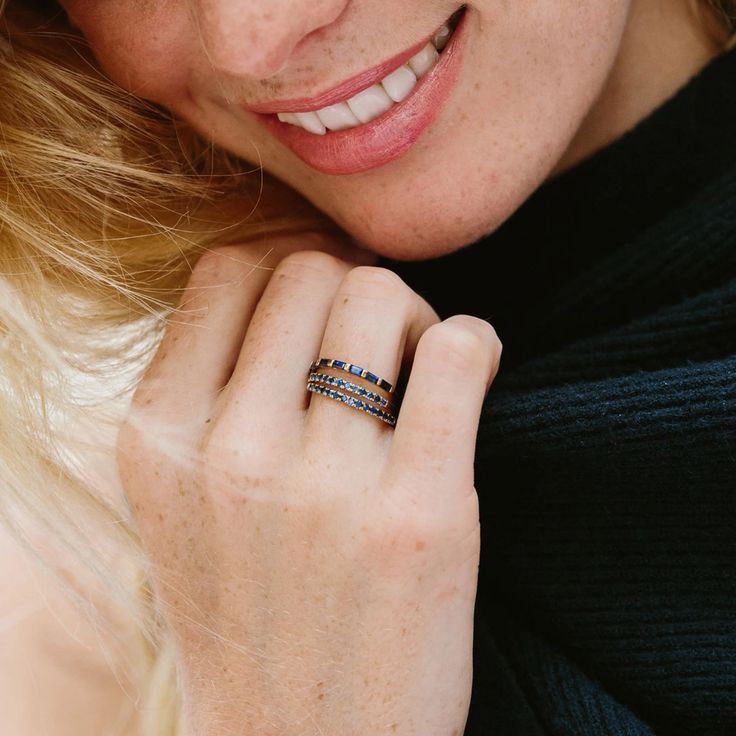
(200, 343)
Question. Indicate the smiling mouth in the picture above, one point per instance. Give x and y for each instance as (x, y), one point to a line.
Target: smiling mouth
(373, 101)
(376, 116)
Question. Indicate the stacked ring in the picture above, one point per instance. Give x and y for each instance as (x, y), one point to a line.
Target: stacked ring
(348, 386)
(347, 392)
(354, 370)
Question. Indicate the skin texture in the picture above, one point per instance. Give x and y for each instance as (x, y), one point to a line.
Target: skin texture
(544, 83)
(318, 567)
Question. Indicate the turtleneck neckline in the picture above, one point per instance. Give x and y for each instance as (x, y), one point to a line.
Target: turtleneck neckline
(655, 166)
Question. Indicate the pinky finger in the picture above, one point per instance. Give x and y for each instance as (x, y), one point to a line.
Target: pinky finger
(434, 440)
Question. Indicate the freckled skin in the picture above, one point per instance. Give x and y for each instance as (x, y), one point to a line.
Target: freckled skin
(300, 581)
(276, 572)
(544, 83)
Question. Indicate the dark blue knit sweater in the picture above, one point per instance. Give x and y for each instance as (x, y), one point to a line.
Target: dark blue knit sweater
(606, 464)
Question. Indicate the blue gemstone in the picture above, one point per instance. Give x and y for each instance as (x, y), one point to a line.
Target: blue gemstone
(356, 370)
(338, 363)
(372, 377)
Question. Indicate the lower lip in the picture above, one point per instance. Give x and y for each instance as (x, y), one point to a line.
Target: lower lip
(387, 137)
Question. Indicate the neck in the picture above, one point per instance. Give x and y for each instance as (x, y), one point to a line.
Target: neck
(664, 44)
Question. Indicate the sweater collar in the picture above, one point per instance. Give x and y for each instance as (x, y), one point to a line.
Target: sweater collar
(648, 171)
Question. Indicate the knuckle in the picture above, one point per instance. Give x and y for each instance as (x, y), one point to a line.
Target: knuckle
(305, 265)
(462, 343)
(147, 436)
(374, 282)
(216, 267)
(214, 261)
(226, 455)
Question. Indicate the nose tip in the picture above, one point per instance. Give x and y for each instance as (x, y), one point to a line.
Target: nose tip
(256, 38)
(261, 60)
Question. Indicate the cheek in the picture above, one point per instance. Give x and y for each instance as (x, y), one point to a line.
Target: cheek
(148, 49)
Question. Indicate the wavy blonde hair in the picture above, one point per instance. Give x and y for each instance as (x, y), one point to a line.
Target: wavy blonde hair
(106, 203)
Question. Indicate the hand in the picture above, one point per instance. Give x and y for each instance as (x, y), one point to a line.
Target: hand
(316, 567)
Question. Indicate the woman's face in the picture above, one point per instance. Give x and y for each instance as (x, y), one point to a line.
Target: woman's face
(484, 123)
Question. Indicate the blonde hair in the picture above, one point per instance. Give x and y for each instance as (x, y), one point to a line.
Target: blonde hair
(726, 11)
(106, 203)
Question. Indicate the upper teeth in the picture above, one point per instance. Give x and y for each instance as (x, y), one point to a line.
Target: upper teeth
(374, 101)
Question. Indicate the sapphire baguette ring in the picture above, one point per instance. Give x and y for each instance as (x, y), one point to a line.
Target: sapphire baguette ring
(354, 370)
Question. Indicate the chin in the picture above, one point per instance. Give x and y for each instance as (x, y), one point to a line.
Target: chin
(429, 231)
(414, 243)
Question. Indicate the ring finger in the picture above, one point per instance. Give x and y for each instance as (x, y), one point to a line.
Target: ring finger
(375, 322)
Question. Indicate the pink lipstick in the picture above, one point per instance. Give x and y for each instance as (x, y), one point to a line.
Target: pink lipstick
(386, 137)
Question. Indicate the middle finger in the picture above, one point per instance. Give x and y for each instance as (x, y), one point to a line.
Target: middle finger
(268, 386)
